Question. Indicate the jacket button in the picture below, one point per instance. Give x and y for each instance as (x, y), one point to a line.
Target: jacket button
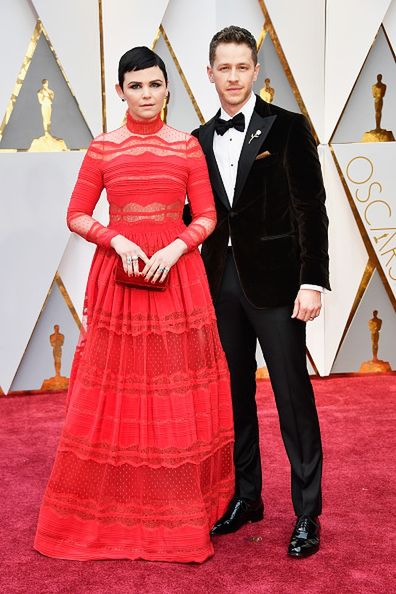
(232, 214)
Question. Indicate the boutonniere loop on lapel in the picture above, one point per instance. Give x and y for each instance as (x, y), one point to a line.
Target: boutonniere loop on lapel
(255, 135)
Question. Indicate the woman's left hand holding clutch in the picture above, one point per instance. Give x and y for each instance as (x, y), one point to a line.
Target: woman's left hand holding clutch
(160, 263)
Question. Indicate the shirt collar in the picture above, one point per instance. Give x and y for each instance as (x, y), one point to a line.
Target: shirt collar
(247, 110)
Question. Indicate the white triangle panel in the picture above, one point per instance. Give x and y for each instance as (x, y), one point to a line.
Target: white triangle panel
(74, 33)
(302, 39)
(348, 260)
(19, 22)
(247, 14)
(190, 26)
(33, 236)
(76, 260)
(350, 30)
(369, 172)
(74, 268)
(180, 113)
(390, 24)
(126, 24)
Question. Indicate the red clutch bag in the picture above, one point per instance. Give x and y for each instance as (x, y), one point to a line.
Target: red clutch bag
(138, 282)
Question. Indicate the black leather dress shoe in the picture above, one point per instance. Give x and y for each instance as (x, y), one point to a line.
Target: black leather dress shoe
(305, 539)
(239, 512)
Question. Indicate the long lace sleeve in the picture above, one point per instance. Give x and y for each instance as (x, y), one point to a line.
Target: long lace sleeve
(200, 197)
(85, 195)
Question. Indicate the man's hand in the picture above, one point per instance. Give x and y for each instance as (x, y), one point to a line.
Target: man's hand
(307, 305)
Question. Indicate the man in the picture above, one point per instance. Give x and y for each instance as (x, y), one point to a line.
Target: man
(267, 264)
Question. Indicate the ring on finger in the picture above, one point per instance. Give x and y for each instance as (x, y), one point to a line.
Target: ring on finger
(129, 260)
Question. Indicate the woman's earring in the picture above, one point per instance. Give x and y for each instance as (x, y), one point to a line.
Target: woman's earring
(122, 99)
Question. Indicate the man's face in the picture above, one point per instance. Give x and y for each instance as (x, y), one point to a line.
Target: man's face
(233, 72)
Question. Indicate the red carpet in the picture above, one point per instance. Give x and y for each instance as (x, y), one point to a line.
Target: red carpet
(357, 417)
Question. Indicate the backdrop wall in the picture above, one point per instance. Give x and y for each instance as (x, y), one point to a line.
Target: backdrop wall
(322, 58)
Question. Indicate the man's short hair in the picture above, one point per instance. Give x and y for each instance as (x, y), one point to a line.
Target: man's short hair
(232, 34)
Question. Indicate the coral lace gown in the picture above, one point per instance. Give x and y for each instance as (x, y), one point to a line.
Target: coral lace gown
(144, 464)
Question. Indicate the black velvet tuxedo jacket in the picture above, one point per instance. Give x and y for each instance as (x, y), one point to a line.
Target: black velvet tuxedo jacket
(277, 222)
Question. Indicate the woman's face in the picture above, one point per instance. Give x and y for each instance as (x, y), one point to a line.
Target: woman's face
(144, 91)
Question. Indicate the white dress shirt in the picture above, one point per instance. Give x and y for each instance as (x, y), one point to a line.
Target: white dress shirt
(227, 149)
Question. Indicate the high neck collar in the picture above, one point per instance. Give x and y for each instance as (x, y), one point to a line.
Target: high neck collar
(142, 126)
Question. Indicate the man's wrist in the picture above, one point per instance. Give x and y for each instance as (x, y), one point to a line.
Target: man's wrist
(312, 288)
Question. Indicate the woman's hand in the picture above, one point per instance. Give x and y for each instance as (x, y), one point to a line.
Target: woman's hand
(162, 261)
(129, 253)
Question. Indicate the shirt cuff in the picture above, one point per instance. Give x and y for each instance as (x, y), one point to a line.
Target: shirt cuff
(313, 288)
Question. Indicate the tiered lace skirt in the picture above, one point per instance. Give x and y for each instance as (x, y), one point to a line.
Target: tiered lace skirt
(144, 464)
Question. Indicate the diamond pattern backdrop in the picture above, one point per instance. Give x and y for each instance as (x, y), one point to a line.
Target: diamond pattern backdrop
(322, 58)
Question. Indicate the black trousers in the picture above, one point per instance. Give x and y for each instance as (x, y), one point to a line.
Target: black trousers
(282, 341)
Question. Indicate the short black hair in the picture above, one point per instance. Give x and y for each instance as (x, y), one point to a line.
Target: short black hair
(139, 58)
(232, 34)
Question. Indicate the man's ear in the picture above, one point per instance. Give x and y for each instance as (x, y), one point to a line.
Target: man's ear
(209, 70)
(256, 71)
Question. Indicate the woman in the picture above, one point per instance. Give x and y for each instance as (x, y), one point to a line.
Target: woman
(144, 465)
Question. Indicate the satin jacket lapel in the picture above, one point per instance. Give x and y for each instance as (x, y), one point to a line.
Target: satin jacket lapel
(206, 141)
(251, 149)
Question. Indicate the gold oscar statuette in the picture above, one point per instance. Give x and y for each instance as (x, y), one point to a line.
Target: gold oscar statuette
(267, 92)
(57, 382)
(47, 142)
(378, 91)
(375, 365)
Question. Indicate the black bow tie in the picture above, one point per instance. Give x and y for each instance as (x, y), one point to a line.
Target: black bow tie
(237, 122)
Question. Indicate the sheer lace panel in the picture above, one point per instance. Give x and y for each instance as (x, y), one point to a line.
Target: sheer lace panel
(156, 211)
(167, 142)
(141, 494)
(200, 196)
